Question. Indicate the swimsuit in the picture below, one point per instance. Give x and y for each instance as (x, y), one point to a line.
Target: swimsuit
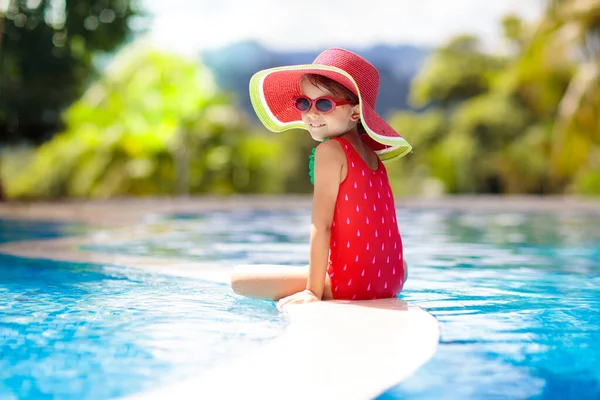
(365, 251)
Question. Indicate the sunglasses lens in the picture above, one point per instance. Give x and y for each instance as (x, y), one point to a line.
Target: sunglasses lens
(302, 103)
(324, 105)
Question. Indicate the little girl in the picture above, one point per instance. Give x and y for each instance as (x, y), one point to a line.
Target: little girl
(355, 245)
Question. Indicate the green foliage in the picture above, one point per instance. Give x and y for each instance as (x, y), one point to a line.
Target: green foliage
(454, 73)
(156, 124)
(587, 183)
(528, 122)
(47, 59)
(512, 27)
(524, 163)
(492, 120)
(410, 175)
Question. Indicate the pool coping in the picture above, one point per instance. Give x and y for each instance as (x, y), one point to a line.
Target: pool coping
(129, 211)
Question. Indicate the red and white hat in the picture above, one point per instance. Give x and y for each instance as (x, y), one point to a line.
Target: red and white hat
(272, 91)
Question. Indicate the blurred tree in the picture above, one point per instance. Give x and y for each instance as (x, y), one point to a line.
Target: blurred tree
(526, 122)
(47, 53)
(463, 135)
(575, 26)
(557, 75)
(455, 72)
(425, 130)
(155, 124)
(46, 59)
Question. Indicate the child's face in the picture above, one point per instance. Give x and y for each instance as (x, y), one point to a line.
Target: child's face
(326, 125)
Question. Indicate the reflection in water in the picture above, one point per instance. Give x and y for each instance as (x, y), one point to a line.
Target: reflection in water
(16, 229)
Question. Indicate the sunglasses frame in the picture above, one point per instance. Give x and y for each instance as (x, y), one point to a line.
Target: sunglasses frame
(314, 102)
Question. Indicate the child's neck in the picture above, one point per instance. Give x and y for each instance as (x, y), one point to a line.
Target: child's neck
(352, 136)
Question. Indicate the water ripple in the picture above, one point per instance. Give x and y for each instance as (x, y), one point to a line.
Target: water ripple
(517, 297)
(72, 331)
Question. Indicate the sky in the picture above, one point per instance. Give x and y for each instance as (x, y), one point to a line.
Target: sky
(191, 26)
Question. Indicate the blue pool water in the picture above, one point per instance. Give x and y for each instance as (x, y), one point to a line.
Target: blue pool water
(15, 230)
(517, 296)
(227, 238)
(80, 331)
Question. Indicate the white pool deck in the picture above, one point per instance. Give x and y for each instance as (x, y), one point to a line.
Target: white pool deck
(330, 350)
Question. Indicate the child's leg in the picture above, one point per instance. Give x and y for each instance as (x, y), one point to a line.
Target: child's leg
(272, 282)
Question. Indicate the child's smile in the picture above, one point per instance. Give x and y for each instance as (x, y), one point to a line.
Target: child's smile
(322, 125)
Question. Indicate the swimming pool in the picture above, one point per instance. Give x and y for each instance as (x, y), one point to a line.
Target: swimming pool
(517, 298)
(76, 330)
(517, 295)
(224, 237)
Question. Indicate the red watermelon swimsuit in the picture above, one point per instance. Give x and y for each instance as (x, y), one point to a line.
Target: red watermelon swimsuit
(365, 252)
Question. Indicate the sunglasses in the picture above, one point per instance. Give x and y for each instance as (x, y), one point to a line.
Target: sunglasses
(322, 104)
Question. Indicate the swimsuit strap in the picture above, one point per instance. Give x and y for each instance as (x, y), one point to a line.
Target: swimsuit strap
(311, 164)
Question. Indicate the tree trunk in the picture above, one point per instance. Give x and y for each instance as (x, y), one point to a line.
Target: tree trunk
(182, 163)
(1, 31)
(2, 197)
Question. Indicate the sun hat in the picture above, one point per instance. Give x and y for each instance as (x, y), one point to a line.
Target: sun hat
(272, 91)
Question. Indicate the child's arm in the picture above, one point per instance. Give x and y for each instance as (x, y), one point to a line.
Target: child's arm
(329, 160)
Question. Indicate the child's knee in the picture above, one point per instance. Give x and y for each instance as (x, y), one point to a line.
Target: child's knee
(237, 279)
(234, 281)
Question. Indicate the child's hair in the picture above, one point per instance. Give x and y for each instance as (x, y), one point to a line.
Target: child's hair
(336, 89)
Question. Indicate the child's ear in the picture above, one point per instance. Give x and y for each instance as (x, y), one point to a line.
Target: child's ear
(355, 113)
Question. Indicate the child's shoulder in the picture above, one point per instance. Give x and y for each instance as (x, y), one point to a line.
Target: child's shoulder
(330, 147)
(329, 154)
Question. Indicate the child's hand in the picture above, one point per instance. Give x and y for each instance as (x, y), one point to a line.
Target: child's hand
(306, 296)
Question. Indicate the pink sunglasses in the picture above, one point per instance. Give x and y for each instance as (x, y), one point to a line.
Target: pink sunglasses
(322, 104)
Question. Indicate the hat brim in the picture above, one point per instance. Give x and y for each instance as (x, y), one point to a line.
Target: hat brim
(272, 91)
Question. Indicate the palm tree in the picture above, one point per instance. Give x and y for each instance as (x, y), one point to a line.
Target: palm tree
(574, 25)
